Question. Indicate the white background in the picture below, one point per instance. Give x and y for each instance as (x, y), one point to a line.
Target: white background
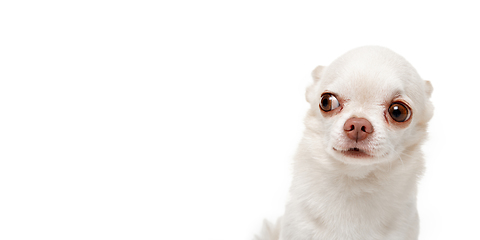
(179, 119)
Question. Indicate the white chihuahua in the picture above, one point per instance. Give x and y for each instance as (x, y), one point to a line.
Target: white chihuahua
(357, 166)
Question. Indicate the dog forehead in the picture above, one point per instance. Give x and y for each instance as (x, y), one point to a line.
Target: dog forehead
(367, 74)
(366, 85)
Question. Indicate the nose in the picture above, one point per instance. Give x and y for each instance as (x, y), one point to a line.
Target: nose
(357, 128)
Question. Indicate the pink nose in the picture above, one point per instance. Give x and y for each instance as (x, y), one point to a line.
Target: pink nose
(357, 128)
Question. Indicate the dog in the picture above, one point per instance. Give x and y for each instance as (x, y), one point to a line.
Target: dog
(356, 169)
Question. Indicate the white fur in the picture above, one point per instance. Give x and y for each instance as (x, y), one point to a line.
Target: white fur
(338, 197)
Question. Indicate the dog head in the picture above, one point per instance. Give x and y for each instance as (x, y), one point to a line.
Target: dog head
(369, 106)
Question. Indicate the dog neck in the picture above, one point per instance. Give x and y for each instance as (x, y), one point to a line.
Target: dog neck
(330, 181)
(349, 200)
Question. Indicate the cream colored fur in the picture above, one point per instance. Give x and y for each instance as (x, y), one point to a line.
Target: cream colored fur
(334, 196)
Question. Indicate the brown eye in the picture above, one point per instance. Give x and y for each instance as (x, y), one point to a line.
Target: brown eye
(328, 102)
(399, 112)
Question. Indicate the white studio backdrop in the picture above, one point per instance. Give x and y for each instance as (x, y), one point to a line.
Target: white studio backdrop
(179, 119)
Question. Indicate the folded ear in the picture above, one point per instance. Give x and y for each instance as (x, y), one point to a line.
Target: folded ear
(429, 88)
(316, 75)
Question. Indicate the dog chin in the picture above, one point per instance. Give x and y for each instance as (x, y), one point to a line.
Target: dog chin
(357, 156)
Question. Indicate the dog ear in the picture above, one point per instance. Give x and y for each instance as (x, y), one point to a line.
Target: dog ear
(429, 88)
(316, 74)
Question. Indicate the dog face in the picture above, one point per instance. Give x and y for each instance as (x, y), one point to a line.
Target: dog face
(370, 105)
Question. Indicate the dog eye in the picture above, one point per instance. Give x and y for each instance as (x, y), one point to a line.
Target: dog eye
(328, 102)
(399, 112)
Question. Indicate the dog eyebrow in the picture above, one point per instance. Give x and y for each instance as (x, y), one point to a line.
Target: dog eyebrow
(397, 94)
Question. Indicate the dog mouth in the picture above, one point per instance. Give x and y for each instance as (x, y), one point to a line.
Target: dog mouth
(354, 153)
